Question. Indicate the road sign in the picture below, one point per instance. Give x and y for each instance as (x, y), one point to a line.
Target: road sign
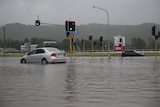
(74, 32)
(70, 36)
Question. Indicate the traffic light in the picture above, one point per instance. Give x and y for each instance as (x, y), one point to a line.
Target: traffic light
(37, 22)
(159, 34)
(90, 37)
(71, 26)
(66, 25)
(101, 38)
(154, 30)
(156, 37)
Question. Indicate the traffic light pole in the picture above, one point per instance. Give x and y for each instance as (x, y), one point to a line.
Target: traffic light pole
(156, 47)
(92, 46)
(70, 46)
(102, 49)
(156, 38)
(4, 49)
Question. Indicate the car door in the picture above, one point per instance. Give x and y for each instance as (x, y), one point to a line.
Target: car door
(39, 56)
(32, 56)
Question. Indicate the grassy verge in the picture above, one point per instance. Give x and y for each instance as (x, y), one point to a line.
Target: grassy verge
(106, 54)
(87, 54)
(12, 55)
(152, 54)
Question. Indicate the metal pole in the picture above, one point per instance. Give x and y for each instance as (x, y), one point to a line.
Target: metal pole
(156, 47)
(4, 39)
(108, 28)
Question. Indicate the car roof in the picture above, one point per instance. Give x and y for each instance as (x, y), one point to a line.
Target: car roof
(46, 48)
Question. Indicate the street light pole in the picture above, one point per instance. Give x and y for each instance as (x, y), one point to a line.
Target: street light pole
(108, 28)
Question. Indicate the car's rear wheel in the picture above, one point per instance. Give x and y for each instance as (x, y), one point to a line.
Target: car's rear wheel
(44, 61)
(23, 61)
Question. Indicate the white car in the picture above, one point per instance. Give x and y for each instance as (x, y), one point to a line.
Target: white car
(44, 56)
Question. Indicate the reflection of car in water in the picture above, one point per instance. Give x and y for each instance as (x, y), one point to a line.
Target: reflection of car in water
(131, 53)
(44, 55)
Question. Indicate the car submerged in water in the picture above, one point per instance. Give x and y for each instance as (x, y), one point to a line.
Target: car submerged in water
(131, 53)
(44, 56)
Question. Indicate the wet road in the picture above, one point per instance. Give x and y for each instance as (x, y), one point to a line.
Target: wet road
(81, 82)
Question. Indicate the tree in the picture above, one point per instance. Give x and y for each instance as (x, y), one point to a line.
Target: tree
(150, 43)
(138, 43)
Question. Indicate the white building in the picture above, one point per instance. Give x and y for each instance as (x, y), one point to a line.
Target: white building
(28, 47)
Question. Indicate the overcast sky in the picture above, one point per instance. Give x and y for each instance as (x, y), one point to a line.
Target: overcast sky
(121, 12)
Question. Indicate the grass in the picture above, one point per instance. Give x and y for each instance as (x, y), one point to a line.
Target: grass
(152, 54)
(87, 54)
(12, 55)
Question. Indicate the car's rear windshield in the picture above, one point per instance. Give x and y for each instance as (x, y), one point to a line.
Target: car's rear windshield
(53, 50)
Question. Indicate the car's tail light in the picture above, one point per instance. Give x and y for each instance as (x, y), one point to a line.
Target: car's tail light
(64, 54)
(53, 55)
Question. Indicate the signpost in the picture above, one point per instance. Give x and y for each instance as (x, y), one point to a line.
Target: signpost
(119, 43)
(49, 43)
(70, 32)
(156, 38)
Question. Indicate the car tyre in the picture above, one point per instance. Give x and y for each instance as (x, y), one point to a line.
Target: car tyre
(23, 61)
(44, 61)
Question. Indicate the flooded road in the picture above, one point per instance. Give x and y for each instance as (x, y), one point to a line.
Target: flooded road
(81, 82)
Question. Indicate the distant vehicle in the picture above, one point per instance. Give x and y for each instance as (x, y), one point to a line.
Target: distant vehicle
(131, 53)
(44, 56)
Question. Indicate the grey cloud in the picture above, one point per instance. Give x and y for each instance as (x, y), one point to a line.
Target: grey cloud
(57, 11)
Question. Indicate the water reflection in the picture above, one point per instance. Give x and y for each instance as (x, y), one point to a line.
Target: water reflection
(70, 87)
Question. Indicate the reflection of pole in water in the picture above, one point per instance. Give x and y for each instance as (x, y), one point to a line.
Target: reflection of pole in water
(71, 83)
(155, 64)
(156, 48)
(121, 59)
(156, 60)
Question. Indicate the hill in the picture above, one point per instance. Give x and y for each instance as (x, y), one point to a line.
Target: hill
(17, 31)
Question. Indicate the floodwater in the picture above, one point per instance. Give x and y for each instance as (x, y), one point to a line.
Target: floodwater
(81, 82)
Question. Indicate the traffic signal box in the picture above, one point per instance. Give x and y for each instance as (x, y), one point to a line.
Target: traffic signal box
(101, 38)
(154, 32)
(90, 37)
(70, 25)
(37, 22)
(70, 28)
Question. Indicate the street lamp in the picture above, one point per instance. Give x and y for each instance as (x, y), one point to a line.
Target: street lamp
(108, 28)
